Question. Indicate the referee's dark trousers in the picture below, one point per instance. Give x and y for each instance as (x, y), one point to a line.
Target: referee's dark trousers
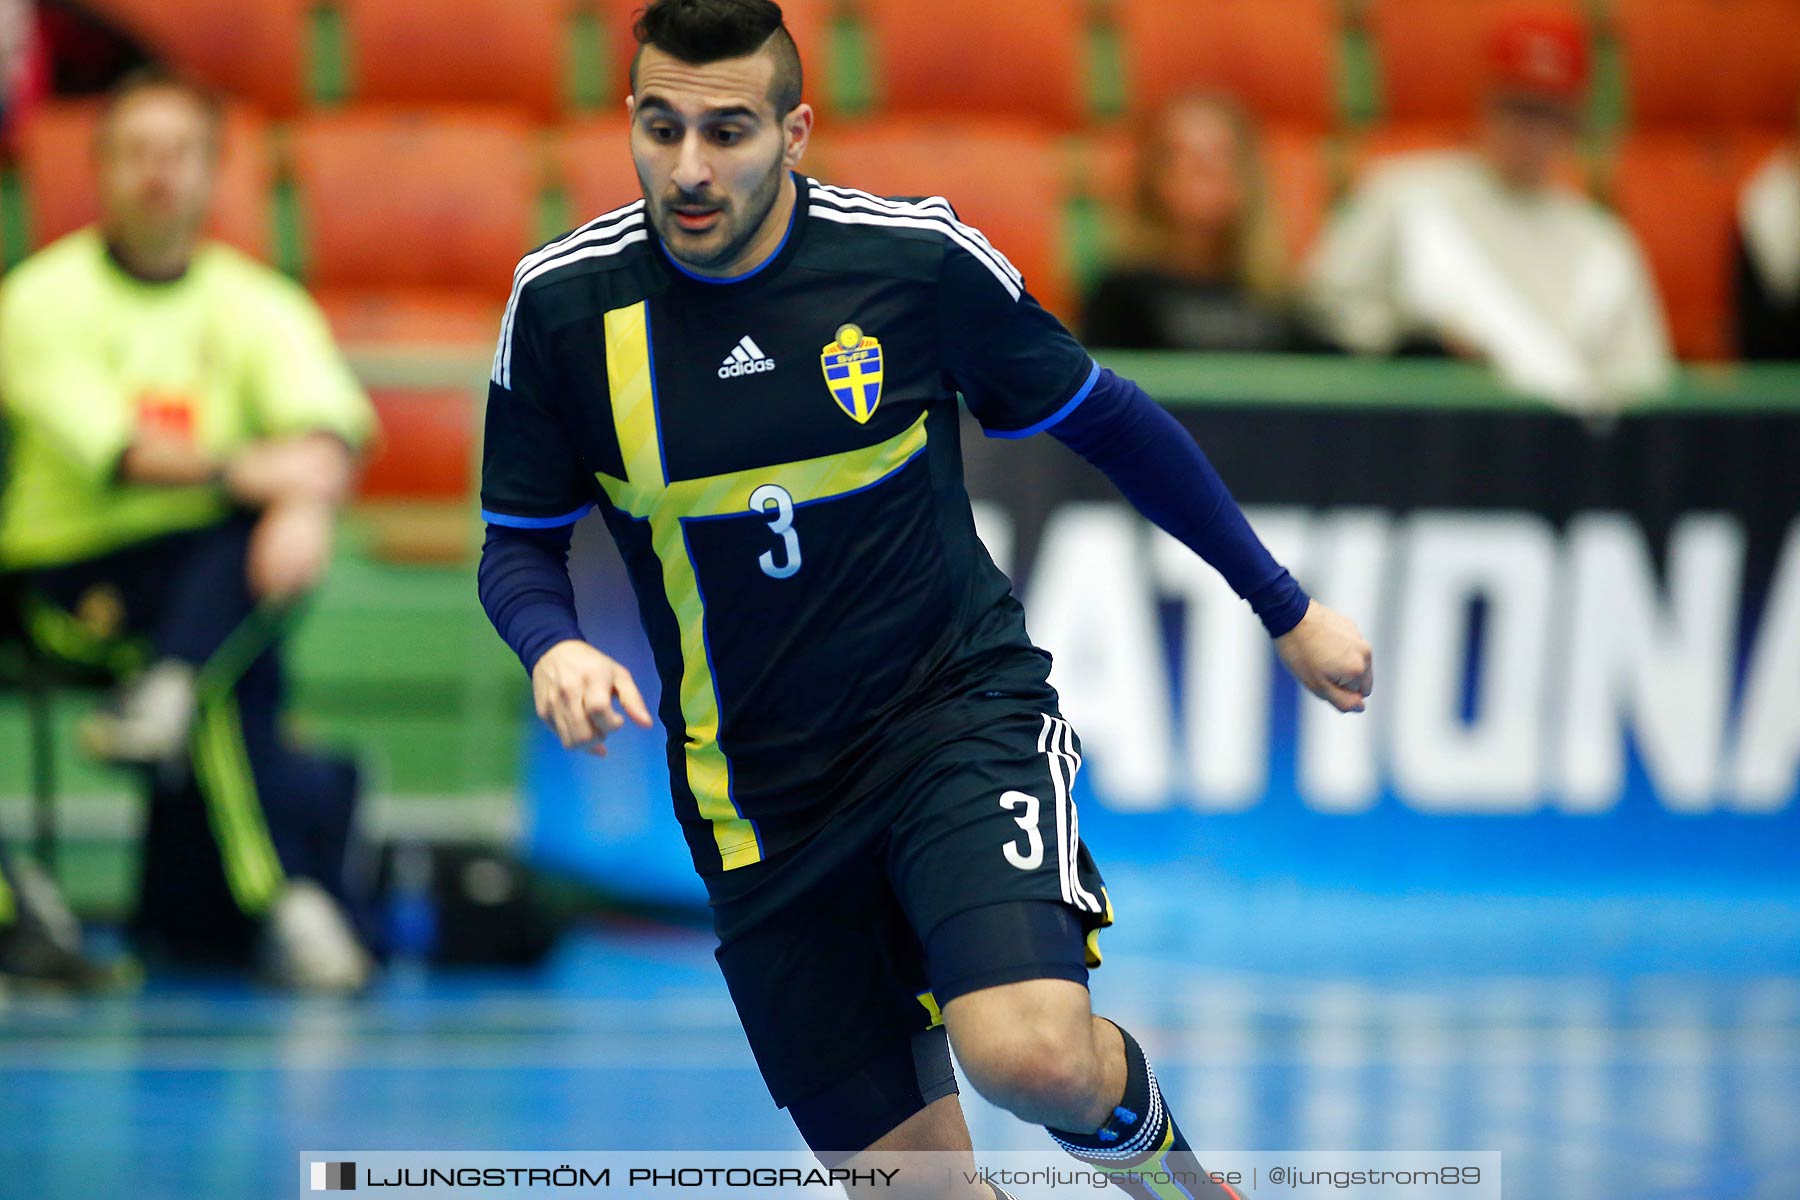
(249, 810)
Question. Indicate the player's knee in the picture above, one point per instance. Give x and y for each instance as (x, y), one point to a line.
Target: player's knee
(1034, 1070)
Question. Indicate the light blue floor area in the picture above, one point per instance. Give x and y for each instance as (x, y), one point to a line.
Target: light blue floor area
(1611, 1048)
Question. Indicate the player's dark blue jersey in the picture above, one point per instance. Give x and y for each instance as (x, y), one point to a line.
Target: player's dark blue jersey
(777, 458)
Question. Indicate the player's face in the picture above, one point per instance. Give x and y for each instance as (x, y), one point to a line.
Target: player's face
(712, 156)
(156, 169)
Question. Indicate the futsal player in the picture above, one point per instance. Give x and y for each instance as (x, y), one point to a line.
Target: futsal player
(753, 376)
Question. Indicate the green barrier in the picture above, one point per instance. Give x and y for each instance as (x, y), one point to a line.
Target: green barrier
(1179, 380)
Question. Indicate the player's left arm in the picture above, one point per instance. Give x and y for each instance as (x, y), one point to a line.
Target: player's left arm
(1022, 373)
(1156, 464)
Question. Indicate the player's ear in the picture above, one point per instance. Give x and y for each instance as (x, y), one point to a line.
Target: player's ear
(796, 134)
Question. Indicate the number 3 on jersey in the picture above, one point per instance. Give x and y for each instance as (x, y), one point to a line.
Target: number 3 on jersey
(774, 501)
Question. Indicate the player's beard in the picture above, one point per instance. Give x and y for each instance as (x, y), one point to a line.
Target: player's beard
(738, 233)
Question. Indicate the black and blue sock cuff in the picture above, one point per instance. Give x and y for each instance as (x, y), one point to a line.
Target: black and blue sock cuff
(1138, 1123)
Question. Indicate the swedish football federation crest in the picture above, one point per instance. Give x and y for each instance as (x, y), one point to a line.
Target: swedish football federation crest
(852, 366)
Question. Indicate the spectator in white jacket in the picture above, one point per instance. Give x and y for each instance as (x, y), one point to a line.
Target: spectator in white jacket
(1483, 252)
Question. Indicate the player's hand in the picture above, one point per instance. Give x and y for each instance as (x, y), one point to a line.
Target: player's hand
(574, 686)
(289, 549)
(1330, 658)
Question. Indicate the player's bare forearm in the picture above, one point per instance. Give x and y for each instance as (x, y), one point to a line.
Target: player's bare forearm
(1330, 657)
(574, 686)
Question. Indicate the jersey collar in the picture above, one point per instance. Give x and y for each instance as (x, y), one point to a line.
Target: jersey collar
(789, 239)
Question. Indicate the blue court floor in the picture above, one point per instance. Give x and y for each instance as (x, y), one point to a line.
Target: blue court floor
(1611, 1048)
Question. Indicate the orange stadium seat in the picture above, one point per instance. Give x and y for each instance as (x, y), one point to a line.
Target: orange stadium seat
(56, 162)
(426, 450)
(1300, 184)
(1431, 51)
(807, 20)
(463, 51)
(253, 49)
(1711, 61)
(1679, 195)
(1005, 178)
(1277, 56)
(595, 166)
(428, 254)
(999, 57)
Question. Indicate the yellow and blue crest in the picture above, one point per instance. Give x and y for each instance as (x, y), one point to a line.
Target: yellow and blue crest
(852, 366)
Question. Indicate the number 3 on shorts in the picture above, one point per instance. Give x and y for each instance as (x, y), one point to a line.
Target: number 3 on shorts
(1028, 821)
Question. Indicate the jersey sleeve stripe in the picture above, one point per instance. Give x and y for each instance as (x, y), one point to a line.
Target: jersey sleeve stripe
(846, 197)
(927, 223)
(937, 209)
(1073, 404)
(503, 356)
(555, 254)
(532, 264)
(512, 522)
(616, 216)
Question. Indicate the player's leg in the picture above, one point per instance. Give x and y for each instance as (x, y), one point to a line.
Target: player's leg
(1034, 1049)
(845, 1113)
(1032, 1046)
(827, 979)
(940, 1130)
(989, 863)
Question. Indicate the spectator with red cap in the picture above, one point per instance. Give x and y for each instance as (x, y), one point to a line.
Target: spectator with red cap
(1483, 252)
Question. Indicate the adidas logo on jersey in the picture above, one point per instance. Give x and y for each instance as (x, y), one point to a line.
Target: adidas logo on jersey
(746, 358)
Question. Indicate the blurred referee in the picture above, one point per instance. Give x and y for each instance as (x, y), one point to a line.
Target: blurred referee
(183, 432)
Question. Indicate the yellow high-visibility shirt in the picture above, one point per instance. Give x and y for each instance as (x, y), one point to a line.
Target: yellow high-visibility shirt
(230, 353)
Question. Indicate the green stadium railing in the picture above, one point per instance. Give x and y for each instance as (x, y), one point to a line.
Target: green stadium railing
(1334, 381)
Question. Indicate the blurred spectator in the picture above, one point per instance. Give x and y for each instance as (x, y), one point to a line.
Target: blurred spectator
(183, 432)
(1768, 259)
(1205, 267)
(1484, 253)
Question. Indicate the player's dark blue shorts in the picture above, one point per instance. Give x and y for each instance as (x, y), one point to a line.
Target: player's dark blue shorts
(963, 869)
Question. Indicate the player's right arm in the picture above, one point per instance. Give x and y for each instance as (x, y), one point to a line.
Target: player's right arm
(533, 490)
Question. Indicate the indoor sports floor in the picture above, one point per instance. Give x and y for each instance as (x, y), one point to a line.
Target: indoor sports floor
(1613, 1048)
